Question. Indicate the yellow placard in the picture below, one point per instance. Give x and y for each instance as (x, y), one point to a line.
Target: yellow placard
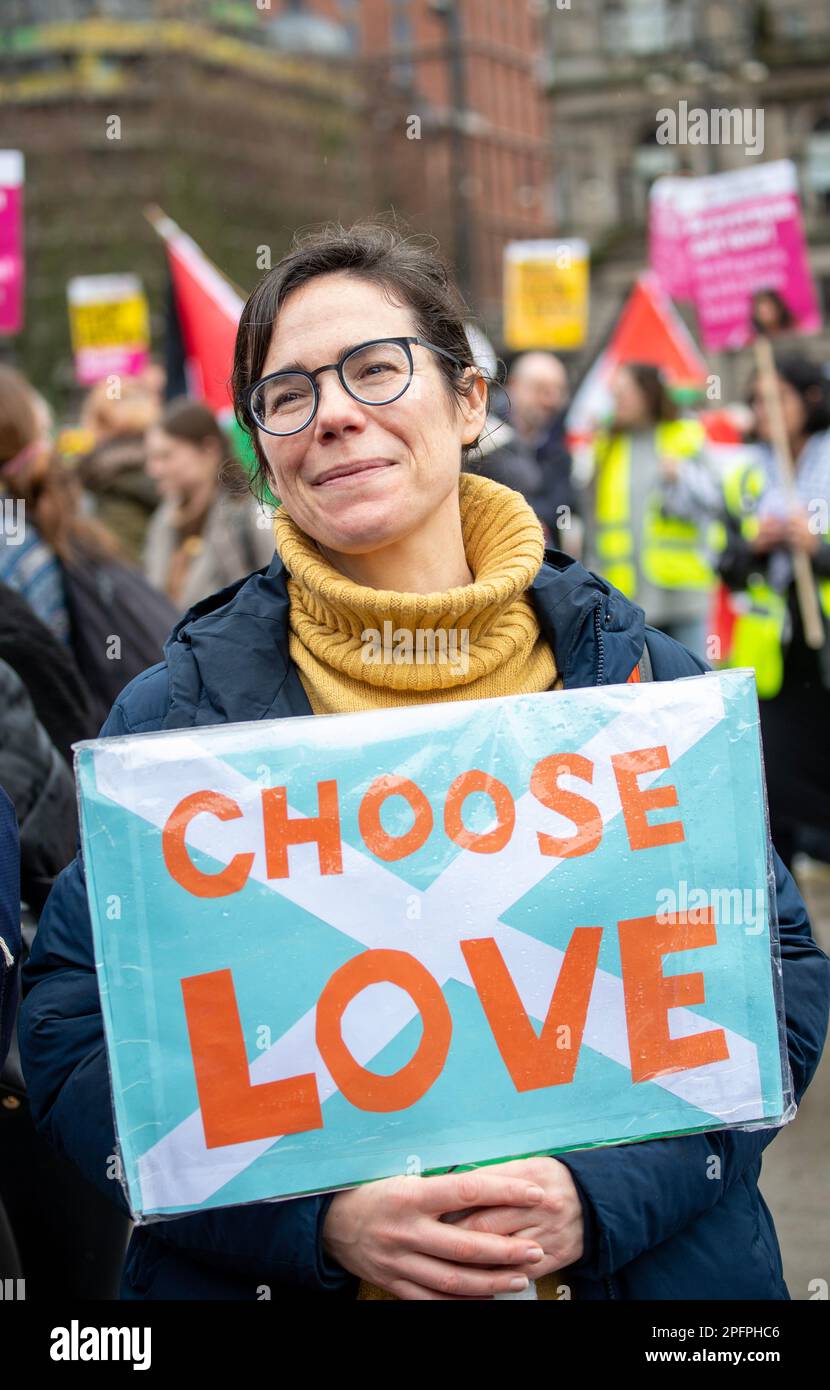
(546, 295)
(109, 325)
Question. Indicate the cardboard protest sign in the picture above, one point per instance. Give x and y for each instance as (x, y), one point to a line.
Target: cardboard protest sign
(546, 294)
(109, 324)
(330, 949)
(11, 241)
(718, 240)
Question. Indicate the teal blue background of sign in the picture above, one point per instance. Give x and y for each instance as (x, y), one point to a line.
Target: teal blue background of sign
(282, 955)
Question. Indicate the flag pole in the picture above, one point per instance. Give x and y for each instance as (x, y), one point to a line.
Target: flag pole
(166, 228)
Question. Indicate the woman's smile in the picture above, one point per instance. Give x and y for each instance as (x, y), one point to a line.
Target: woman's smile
(347, 473)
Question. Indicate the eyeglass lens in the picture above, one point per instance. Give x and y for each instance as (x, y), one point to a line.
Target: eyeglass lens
(373, 374)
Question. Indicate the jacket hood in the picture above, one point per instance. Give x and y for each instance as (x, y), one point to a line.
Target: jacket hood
(229, 653)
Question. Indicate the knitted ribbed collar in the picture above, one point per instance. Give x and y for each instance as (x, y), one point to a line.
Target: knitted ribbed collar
(503, 543)
(504, 546)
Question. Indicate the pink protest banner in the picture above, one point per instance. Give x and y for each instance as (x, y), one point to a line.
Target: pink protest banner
(666, 254)
(740, 232)
(11, 241)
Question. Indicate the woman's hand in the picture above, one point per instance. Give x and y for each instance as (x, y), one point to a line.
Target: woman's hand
(772, 531)
(670, 468)
(391, 1233)
(555, 1223)
(799, 535)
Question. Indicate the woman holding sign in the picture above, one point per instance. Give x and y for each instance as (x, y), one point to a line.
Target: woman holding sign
(767, 525)
(354, 377)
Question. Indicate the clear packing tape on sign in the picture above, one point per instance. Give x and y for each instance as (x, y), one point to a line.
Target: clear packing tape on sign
(338, 949)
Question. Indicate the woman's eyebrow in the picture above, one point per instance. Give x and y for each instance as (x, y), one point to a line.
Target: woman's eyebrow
(299, 366)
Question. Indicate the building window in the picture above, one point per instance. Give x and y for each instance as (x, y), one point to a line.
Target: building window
(402, 73)
(649, 161)
(817, 164)
(647, 26)
(793, 25)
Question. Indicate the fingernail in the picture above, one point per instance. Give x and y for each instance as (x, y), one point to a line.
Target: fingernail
(518, 1284)
(535, 1194)
(534, 1253)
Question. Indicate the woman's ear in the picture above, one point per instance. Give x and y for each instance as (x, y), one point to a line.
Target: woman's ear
(474, 406)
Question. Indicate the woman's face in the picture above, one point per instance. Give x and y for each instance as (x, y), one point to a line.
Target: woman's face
(792, 406)
(408, 452)
(630, 408)
(179, 467)
(767, 313)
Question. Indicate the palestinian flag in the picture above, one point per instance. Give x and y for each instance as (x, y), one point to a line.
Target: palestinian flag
(648, 330)
(202, 319)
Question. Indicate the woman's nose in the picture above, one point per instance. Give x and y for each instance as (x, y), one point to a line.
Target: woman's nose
(336, 409)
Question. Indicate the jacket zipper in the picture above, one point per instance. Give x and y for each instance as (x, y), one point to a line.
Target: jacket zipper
(609, 1286)
(600, 647)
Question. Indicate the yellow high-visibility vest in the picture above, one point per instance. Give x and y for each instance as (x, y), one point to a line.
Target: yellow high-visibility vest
(673, 554)
(760, 611)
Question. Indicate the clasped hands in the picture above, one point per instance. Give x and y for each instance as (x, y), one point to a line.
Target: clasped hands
(794, 531)
(521, 1220)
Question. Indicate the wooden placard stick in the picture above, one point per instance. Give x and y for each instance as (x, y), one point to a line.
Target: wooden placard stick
(805, 584)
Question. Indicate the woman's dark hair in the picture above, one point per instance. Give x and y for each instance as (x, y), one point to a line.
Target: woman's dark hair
(808, 379)
(652, 386)
(195, 423)
(407, 267)
(31, 470)
(783, 313)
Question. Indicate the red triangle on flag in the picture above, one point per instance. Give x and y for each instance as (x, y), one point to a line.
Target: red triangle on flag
(649, 330)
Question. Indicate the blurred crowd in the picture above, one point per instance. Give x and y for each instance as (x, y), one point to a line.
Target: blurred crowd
(691, 513)
(114, 528)
(111, 530)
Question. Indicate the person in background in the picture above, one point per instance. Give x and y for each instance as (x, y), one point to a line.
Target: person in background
(153, 381)
(654, 498)
(765, 529)
(206, 533)
(37, 505)
(66, 565)
(64, 1233)
(113, 473)
(48, 671)
(770, 315)
(9, 927)
(528, 451)
(10, 951)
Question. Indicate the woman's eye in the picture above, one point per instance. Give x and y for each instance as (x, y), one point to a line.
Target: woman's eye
(283, 402)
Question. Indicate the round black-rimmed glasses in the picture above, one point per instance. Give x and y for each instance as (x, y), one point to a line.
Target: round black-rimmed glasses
(374, 373)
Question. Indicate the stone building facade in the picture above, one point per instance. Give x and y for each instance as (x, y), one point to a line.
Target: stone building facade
(614, 64)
